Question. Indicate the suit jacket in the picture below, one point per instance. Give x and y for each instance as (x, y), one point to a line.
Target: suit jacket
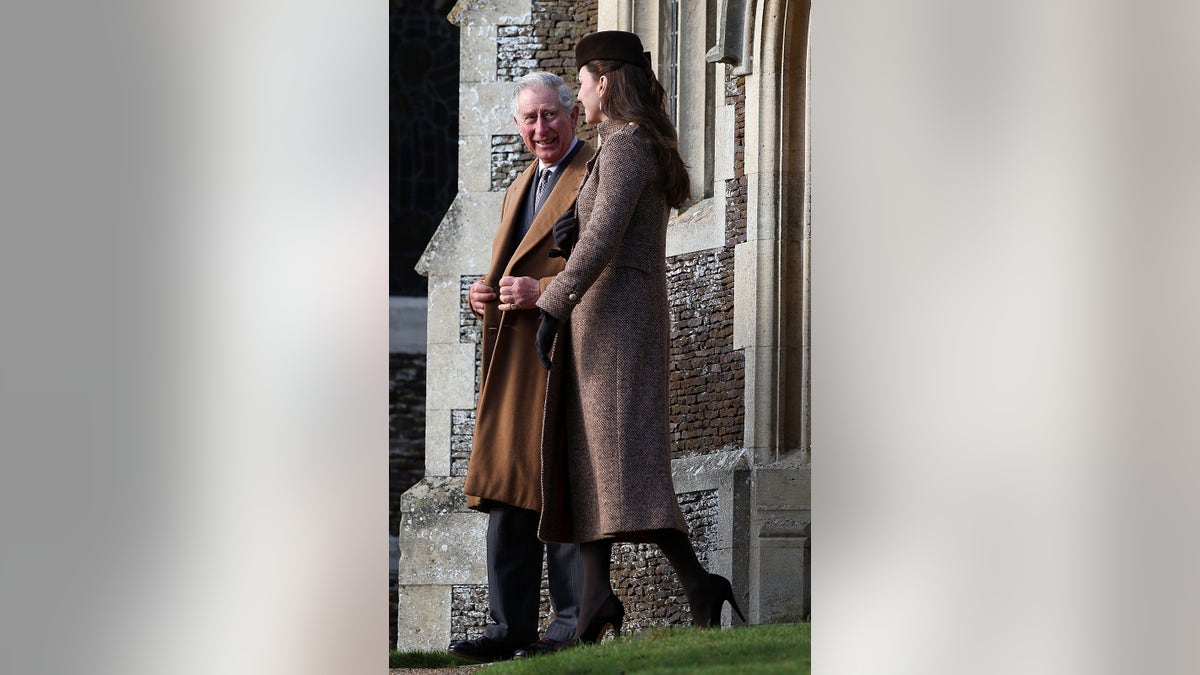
(505, 461)
(613, 412)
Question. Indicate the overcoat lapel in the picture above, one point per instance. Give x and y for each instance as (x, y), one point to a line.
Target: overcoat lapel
(558, 201)
(501, 252)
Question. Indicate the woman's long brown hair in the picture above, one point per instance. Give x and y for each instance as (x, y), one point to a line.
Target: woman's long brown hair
(633, 94)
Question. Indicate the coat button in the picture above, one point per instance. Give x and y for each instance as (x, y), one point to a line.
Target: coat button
(574, 297)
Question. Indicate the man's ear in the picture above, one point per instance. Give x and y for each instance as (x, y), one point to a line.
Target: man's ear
(575, 114)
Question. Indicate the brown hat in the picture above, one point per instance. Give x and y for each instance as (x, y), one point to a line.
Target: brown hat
(614, 45)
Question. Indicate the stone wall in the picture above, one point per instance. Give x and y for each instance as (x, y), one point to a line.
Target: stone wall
(706, 376)
(462, 434)
(462, 422)
(468, 611)
(509, 158)
(737, 187)
(470, 327)
(516, 51)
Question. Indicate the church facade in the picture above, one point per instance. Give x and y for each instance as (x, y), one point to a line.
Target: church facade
(736, 72)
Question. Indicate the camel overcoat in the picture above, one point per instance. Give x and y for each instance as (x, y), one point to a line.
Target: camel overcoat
(505, 461)
(612, 410)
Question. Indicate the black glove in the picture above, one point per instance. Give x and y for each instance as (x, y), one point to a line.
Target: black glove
(566, 234)
(547, 327)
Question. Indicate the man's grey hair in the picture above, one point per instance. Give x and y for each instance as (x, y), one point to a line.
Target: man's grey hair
(543, 79)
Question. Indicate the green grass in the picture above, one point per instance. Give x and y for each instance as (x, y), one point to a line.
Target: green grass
(425, 660)
(779, 648)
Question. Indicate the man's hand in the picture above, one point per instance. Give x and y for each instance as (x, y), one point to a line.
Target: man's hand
(519, 293)
(479, 295)
(544, 340)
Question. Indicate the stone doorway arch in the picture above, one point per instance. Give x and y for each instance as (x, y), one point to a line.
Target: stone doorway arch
(774, 270)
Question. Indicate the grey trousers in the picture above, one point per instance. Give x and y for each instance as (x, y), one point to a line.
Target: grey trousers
(514, 565)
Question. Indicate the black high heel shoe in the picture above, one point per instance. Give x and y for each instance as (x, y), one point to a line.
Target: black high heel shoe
(611, 613)
(708, 602)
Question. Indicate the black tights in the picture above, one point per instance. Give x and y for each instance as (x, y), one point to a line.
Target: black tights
(597, 559)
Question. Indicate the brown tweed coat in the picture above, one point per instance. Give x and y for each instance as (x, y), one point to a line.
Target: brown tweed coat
(505, 461)
(613, 401)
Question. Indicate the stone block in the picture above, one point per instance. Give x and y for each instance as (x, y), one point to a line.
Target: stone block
(707, 472)
(745, 283)
(783, 594)
(442, 546)
(509, 11)
(505, 13)
(423, 618)
(442, 320)
(762, 210)
(756, 88)
(699, 228)
(477, 53)
(437, 442)
(450, 376)
(723, 132)
(784, 488)
(462, 243)
(473, 151)
(486, 107)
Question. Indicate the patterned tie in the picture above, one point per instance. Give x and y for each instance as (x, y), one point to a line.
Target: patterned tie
(540, 194)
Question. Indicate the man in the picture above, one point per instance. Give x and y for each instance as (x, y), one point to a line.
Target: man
(504, 475)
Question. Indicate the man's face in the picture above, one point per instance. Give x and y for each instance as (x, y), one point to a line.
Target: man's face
(546, 128)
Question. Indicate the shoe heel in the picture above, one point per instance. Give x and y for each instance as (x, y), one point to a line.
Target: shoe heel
(720, 591)
(607, 617)
(733, 603)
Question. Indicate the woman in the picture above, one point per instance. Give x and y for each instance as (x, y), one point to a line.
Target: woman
(613, 291)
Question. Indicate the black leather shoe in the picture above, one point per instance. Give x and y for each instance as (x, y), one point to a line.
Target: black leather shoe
(543, 646)
(483, 649)
(708, 601)
(611, 614)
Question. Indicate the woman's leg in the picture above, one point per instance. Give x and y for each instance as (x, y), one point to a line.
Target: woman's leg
(706, 593)
(596, 557)
(678, 549)
(600, 607)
